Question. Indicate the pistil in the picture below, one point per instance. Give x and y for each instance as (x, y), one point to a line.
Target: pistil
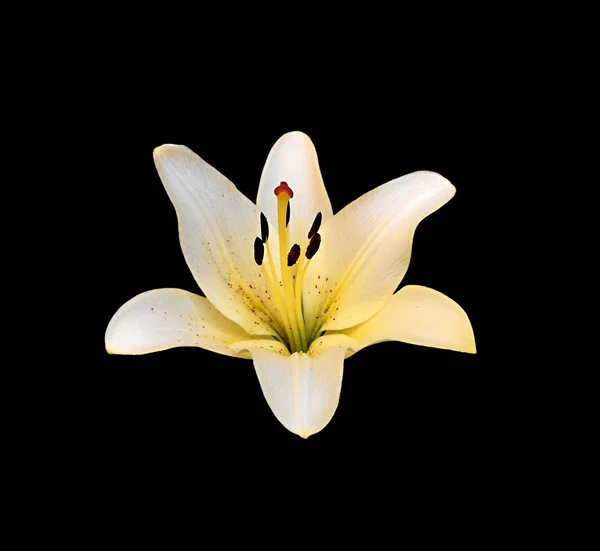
(287, 293)
(284, 194)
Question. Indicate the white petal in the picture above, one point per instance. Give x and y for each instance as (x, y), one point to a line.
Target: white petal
(418, 315)
(366, 247)
(167, 318)
(293, 159)
(331, 340)
(217, 228)
(271, 345)
(303, 391)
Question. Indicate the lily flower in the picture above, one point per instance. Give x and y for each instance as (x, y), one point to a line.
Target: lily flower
(289, 284)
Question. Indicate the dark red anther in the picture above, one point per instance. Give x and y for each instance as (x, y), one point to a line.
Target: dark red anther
(284, 188)
(287, 215)
(294, 254)
(259, 251)
(313, 246)
(264, 228)
(315, 225)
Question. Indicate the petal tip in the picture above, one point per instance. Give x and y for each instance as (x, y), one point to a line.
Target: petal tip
(166, 150)
(467, 344)
(295, 138)
(110, 344)
(296, 135)
(469, 347)
(440, 180)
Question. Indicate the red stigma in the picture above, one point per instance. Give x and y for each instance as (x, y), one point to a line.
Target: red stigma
(284, 188)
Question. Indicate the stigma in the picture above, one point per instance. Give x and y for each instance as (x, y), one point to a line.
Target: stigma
(283, 188)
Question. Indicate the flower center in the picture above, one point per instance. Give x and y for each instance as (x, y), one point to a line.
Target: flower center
(287, 292)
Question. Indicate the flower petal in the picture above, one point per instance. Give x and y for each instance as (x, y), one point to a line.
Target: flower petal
(167, 318)
(365, 249)
(303, 391)
(330, 340)
(418, 315)
(217, 229)
(272, 345)
(293, 159)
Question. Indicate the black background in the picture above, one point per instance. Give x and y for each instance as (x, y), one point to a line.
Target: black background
(419, 407)
(438, 435)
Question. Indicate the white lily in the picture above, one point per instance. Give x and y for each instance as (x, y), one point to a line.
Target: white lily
(287, 283)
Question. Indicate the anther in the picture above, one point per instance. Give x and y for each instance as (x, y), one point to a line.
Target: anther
(293, 255)
(284, 188)
(313, 246)
(259, 251)
(264, 228)
(287, 215)
(315, 225)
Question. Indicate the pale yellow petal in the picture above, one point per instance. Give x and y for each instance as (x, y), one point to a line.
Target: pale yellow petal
(168, 318)
(366, 247)
(272, 345)
(418, 315)
(217, 228)
(333, 340)
(302, 390)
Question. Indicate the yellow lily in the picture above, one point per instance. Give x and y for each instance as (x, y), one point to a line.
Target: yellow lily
(289, 284)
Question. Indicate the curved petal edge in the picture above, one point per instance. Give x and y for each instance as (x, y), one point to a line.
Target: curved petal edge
(366, 249)
(168, 318)
(302, 391)
(418, 315)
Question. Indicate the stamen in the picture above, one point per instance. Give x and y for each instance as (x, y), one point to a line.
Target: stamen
(264, 228)
(259, 251)
(315, 225)
(313, 246)
(284, 188)
(293, 255)
(284, 285)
